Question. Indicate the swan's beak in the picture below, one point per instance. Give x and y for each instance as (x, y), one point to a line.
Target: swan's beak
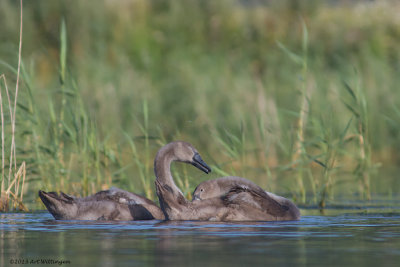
(196, 197)
(198, 162)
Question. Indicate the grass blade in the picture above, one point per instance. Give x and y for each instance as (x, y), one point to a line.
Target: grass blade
(63, 50)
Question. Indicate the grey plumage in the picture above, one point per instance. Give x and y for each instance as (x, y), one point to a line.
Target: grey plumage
(238, 199)
(223, 187)
(111, 205)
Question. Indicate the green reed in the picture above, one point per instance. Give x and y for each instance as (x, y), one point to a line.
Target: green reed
(110, 85)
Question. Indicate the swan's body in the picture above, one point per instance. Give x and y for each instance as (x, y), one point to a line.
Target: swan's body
(239, 203)
(220, 187)
(112, 205)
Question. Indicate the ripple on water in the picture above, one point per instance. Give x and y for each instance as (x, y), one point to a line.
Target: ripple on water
(347, 238)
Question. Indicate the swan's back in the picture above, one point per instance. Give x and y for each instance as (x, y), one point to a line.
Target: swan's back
(118, 195)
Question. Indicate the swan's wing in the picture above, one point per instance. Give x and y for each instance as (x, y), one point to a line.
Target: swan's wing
(119, 196)
(254, 198)
(129, 197)
(66, 197)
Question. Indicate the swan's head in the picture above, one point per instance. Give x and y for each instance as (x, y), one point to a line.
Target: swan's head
(207, 189)
(185, 152)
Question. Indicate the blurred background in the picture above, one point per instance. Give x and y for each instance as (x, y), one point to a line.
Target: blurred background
(301, 97)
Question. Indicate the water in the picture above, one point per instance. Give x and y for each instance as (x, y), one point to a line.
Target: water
(343, 239)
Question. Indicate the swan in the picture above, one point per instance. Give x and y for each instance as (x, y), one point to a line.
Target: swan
(111, 205)
(243, 201)
(221, 186)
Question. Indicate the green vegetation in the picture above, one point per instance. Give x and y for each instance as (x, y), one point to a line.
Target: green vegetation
(299, 96)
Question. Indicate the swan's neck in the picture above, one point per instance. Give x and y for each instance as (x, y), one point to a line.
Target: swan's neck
(162, 168)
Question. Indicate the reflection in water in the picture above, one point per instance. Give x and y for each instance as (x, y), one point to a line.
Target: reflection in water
(344, 239)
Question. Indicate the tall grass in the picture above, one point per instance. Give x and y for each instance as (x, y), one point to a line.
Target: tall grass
(11, 188)
(299, 153)
(358, 106)
(267, 92)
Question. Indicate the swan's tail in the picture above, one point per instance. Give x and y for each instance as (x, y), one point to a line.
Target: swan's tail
(61, 206)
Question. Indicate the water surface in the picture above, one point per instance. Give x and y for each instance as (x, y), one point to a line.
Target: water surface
(343, 239)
